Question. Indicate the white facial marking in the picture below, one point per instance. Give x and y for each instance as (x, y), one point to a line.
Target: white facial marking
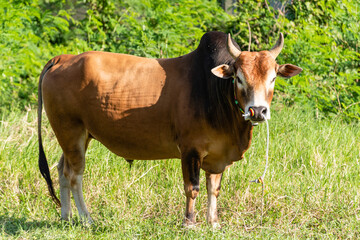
(259, 96)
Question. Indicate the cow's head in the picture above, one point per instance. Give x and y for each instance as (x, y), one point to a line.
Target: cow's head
(254, 74)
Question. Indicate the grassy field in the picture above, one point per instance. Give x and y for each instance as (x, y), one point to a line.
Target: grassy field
(312, 186)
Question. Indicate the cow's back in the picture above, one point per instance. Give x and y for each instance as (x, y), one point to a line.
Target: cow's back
(120, 99)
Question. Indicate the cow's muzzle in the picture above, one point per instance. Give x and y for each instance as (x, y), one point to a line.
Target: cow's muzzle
(258, 114)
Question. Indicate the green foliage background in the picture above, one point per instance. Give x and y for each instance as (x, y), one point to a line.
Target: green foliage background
(321, 36)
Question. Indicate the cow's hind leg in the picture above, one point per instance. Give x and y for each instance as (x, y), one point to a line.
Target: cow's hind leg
(190, 161)
(213, 184)
(73, 138)
(64, 192)
(75, 169)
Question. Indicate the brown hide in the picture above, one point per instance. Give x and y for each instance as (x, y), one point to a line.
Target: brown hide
(144, 109)
(138, 108)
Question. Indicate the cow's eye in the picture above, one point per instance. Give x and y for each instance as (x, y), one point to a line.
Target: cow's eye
(273, 80)
(239, 80)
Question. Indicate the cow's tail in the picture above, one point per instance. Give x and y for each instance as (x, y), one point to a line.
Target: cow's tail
(43, 164)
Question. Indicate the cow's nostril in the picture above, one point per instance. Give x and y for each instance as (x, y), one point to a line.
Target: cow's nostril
(264, 111)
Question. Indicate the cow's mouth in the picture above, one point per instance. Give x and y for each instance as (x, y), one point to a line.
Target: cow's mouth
(255, 123)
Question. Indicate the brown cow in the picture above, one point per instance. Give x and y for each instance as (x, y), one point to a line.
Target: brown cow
(190, 107)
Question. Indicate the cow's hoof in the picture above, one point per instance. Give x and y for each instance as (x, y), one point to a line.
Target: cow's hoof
(189, 224)
(215, 225)
(86, 221)
(89, 222)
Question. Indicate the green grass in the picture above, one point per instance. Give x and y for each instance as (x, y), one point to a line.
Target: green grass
(312, 186)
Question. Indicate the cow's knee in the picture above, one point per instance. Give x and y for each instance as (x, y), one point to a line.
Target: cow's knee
(191, 191)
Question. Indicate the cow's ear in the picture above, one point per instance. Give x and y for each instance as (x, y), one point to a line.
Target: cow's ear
(223, 71)
(288, 70)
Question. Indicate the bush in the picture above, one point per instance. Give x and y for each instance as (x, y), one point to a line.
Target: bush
(150, 28)
(326, 46)
(30, 37)
(321, 37)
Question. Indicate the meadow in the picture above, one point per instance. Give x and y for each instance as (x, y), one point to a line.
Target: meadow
(311, 187)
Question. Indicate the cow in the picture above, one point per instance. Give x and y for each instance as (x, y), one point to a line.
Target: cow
(199, 108)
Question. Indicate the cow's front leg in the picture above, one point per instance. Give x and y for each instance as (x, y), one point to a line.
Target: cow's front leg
(190, 162)
(213, 185)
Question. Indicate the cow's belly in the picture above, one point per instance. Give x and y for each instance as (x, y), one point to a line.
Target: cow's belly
(131, 147)
(139, 134)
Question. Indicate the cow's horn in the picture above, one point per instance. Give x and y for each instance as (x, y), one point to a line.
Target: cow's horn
(234, 52)
(275, 51)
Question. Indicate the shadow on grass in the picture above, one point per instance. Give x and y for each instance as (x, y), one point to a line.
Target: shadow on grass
(13, 226)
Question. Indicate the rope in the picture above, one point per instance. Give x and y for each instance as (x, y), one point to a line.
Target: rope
(262, 178)
(236, 101)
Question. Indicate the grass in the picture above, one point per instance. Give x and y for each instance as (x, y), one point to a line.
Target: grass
(312, 186)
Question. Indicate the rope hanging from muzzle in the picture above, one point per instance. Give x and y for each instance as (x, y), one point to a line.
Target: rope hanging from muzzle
(262, 178)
